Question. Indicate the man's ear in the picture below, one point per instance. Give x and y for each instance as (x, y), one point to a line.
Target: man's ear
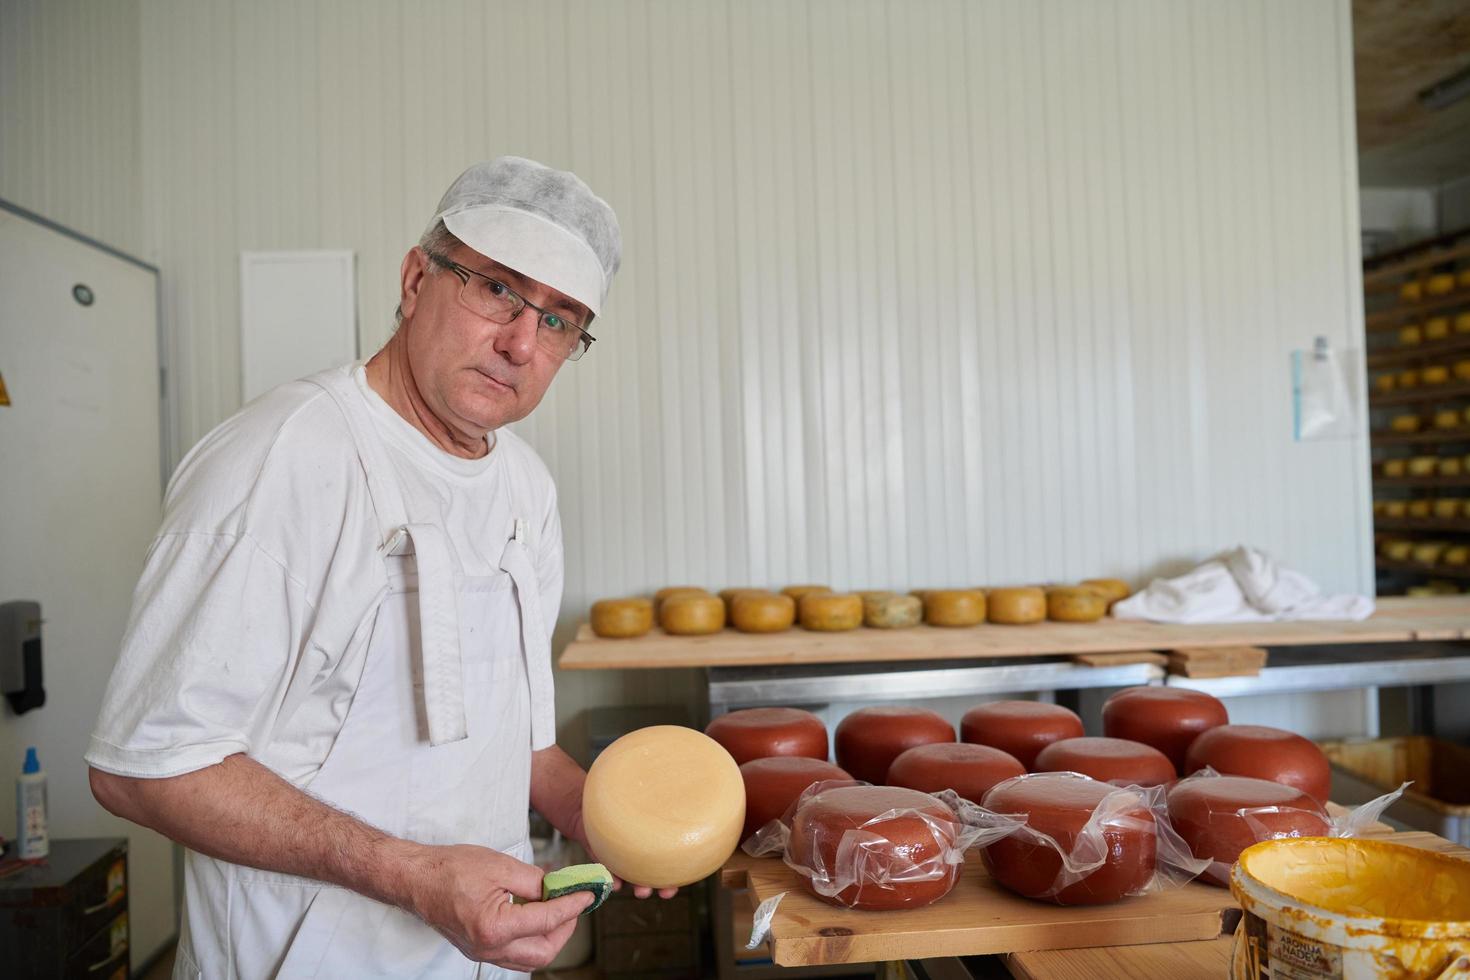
(412, 276)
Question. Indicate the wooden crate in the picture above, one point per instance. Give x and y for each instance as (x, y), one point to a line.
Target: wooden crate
(1439, 800)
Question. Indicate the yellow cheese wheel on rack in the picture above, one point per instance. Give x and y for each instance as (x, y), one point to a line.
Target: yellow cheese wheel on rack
(1384, 383)
(692, 615)
(1447, 418)
(1396, 508)
(669, 592)
(1075, 605)
(1410, 335)
(1395, 468)
(1440, 284)
(1462, 369)
(1462, 322)
(865, 594)
(889, 611)
(830, 612)
(1437, 328)
(1111, 589)
(1457, 554)
(1428, 552)
(797, 591)
(1434, 374)
(1423, 465)
(954, 607)
(753, 612)
(1420, 509)
(1448, 508)
(1451, 466)
(1411, 291)
(1462, 278)
(1399, 550)
(1380, 508)
(1015, 607)
(622, 618)
(1408, 378)
(1406, 422)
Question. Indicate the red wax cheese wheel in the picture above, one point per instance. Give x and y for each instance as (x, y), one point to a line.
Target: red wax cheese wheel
(869, 739)
(756, 733)
(969, 770)
(1059, 805)
(1265, 753)
(913, 845)
(773, 784)
(1022, 728)
(1168, 718)
(1206, 812)
(1112, 760)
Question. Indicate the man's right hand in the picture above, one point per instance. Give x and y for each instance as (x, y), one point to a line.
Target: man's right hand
(465, 892)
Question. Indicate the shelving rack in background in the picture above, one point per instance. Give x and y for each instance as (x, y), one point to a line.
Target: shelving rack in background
(1418, 325)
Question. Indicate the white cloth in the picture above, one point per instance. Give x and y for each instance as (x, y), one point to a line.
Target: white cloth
(1244, 585)
(351, 723)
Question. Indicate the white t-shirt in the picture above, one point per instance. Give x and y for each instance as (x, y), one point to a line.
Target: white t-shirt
(250, 623)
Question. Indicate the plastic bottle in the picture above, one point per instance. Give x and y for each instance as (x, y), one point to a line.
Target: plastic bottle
(31, 839)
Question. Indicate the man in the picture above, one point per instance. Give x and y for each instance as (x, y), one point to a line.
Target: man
(335, 689)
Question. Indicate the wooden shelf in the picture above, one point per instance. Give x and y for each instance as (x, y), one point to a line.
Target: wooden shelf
(1433, 437)
(1427, 351)
(1417, 259)
(1424, 393)
(1454, 525)
(1420, 568)
(1391, 318)
(1421, 481)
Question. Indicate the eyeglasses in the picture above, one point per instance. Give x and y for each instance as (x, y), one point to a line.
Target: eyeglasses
(497, 302)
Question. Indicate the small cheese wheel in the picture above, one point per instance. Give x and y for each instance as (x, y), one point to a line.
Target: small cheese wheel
(1396, 508)
(664, 594)
(621, 618)
(1111, 589)
(752, 612)
(1265, 753)
(1462, 369)
(663, 806)
(1449, 508)
(1385, 383)
(888, 612)
(1421, 509)
(1462, 320)
(1437, 328)
(1111, 760)
(1411, 335)
(1447, 418)
(727, 596)
(869, 739)
(1014, 607)
(1429, 552)
(1405, 423)
(1409, 378)
(830, 612)
(1411, 291)
(1439, 284)
(969, 770)
(774, 783)
(1075, 605)
(758, 733)
(1399, 550)
(692, 615)
(797, 591)
(1423, 465)
(1458, 554)
(1434, 374)
(1395, 467)
(954, 607)
(1019, 728)
(1420, 592)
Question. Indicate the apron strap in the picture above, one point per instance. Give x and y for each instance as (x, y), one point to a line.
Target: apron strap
(535, 644)
(443, 668)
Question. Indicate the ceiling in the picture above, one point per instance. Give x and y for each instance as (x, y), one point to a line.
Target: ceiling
(1401, 47)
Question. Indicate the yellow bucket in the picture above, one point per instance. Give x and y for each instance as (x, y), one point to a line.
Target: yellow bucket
(1351, 910)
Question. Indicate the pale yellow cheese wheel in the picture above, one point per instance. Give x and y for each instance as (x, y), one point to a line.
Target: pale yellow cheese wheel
(1429, 552)
(1384, 383)
(1439, 284)
(1405, 423)
(1450, 466)
(1014, 607)
(1437, 328)
(1399, 550)
(1395, 468)
(1420, 592)
(1409, 378)
(1411, 291)
(1410, 335)
(1420, 509)
(1396, 508)
(1434, 374)
(752, 612)
(797, 591)
(669, 592)
(1075, 605)
(954, 607)
(1456, 555)
(1448, 508)
(663, 806)
(727, 596)
(865, 593)
(887, 611)
(622, 618)
(1112, 589)
(1447, 418)
(1423, 465)
(692, 615)
(830, 612)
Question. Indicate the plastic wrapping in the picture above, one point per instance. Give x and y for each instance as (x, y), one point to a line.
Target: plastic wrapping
(1324, 385)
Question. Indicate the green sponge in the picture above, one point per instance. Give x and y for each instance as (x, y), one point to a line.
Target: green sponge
(592, 878)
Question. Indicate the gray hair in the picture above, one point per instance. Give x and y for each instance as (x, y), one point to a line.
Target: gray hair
(438, 240)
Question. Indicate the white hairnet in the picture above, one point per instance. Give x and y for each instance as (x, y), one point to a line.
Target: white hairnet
(543, 223)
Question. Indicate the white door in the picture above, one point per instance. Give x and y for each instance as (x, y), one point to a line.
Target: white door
(79, 504)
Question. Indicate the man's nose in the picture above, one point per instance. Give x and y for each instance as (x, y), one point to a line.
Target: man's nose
(517, 339)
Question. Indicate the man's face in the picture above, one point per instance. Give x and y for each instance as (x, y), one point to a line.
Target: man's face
(476, 375)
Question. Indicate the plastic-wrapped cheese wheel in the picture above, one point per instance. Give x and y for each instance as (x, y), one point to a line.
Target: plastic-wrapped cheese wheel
(1218, 817)
(869, 739)
(1111, 760)
(1060, 805)
(954, 607)
(1020, 728)
(1265, 753)
(830, 612)
(887, 611)
(905, 860)
(692, 615)
(756, 733)
(969, 770)
(622, 618)
(1168, 718)
(663, 806)
(1074, 605)
(1014, 607)
(754, 612)
(773, 784)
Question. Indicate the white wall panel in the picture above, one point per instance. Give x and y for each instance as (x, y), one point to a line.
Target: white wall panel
(914, 293)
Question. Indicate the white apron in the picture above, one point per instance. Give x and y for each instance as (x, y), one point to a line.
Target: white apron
(435, 747)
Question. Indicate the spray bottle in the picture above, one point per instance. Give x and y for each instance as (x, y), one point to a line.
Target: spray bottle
(31, 840)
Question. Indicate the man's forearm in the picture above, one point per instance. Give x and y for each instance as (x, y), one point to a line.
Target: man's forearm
(556, 790)
(240, 811)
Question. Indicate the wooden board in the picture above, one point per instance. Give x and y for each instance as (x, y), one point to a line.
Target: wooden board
(1217, 661)
(1121, 659)
(979, 917)
(1398, 620)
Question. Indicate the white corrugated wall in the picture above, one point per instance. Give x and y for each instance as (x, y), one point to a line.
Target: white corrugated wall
(915, 292)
